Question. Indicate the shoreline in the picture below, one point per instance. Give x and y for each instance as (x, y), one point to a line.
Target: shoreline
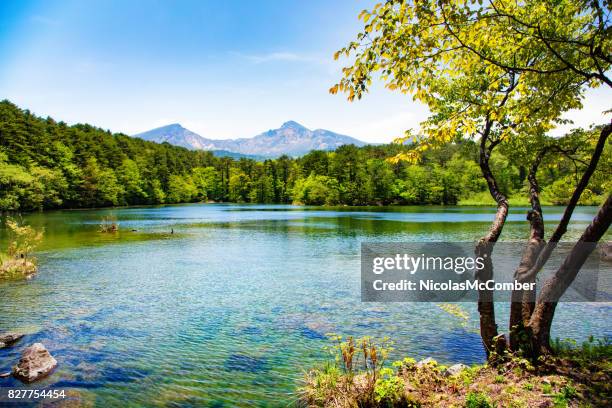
(290, 205)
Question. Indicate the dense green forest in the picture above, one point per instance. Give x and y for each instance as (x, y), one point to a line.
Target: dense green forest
(46, 164)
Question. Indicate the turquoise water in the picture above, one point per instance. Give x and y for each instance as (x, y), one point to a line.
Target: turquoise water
(231, 308)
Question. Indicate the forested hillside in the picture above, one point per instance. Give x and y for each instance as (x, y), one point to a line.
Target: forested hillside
(46, 164)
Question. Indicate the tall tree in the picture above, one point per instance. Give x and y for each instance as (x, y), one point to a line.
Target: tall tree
(496, 71)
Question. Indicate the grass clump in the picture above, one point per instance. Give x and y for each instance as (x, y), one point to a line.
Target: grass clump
(477, 400)
(355, 375)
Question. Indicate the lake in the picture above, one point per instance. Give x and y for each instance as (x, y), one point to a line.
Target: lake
(231, 308)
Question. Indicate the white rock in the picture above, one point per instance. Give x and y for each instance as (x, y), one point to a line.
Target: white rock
(35, 363)
(8, 338)
(425, 362)
(455, 369)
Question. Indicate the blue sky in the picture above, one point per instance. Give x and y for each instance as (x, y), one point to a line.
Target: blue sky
(221, 68)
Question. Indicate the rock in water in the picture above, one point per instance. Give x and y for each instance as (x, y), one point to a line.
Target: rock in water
(35, 363)
(6, 339)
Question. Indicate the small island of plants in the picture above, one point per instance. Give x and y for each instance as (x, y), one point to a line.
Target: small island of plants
(16, 262)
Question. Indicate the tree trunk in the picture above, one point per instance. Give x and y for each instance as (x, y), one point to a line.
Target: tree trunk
(486, 306)
(553, 289)
(523, 301)
(537, 330)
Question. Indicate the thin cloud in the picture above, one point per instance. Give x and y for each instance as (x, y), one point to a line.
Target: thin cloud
(385, 128)
(276, 57)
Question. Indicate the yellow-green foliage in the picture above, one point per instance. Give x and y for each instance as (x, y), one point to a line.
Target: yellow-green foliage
(356, 373)
(459, 59)
(389, 388)
(17, 262)
(477, 400)
(23, 239)
(456, 311)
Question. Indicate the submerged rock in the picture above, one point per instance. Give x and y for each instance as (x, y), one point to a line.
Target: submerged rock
(8, 338)
(455, 369)
(35, 363)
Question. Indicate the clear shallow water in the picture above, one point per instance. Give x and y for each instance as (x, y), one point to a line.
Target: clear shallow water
(234, 306)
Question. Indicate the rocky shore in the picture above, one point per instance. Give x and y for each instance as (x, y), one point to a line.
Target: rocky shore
(17, 269)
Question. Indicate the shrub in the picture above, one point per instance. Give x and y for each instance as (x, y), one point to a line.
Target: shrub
(323, 383)
(477, 400)
(17, 262)
(389, 388)
(109, 224)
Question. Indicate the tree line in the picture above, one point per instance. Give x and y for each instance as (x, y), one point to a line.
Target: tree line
(45, 164)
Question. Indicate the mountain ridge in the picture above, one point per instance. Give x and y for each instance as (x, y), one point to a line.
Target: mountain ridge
(292, 139)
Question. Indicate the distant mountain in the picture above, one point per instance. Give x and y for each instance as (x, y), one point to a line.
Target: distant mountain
(177, 135)
(291, 139)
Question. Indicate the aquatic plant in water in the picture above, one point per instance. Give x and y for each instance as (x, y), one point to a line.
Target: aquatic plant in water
(109, 224)
(17, 262)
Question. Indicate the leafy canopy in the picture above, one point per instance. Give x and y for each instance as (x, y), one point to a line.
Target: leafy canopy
(511, 68)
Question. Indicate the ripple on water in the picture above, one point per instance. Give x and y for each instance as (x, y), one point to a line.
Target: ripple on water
(369, 324)
(77, 383)
(102, 376)
(311, 334)
(463, 346)
(244, 363)
(124, 374)
(253, 335)
(194, 402)
(203, 327)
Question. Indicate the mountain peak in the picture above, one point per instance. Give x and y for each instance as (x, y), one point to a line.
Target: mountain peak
(172, 126)
(292, 125)
(292, 139)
